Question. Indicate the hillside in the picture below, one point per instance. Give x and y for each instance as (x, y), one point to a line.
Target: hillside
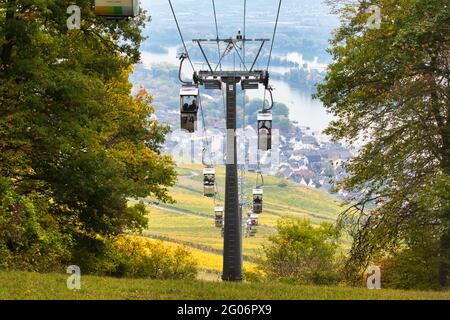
(190, 221)
(20, 285)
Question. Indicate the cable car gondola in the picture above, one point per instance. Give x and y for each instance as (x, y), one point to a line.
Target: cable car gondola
(265, 130)
(218, 211)
(209, 182)
(253, 220)
(250, 231)
(189, 108)
(258, 200)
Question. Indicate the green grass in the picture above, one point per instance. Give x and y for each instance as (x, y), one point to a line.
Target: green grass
(20, 286)
(292, 199)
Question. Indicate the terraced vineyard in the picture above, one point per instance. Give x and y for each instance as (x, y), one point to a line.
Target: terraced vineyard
(190, 221)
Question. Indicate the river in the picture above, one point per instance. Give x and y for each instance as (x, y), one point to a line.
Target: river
(303, 109)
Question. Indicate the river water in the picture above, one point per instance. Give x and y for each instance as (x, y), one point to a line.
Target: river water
(306, 111)
(302, 107)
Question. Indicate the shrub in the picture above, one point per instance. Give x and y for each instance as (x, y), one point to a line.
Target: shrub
(94, 255)
(139, 257)
(30, 237)
(254, 275)
(303, 253)
(408, 268)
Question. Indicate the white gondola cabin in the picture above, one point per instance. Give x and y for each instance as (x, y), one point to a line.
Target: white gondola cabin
(209, 182)
(257, 200)
(265, 130)
(250, 231)
(189, 108)
(117, 9)
(253, 220)
(218, 211)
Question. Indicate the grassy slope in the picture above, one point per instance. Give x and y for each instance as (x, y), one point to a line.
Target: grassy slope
(190, 220)
(19, 285)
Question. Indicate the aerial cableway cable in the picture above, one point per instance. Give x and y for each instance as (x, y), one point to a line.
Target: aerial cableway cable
(219, 54)
(268, 87)
(231, 259)
(181, 35)
(217, 30)
(217, 199)
(245, 26)
(270, 54)
(206, 144)
(274, 34)
(243, 167)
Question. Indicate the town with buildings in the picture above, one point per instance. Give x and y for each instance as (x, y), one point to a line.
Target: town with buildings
(305, 156)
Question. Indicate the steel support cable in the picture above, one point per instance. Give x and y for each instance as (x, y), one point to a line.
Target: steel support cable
(245, 25)
(271, 47)
(244, 58)
(217, 32)
(244, 114)
(206, 145)
(218, 51)
(240, 58)
(259, 175)
(274, 34)
(181, 35)
(217, 198)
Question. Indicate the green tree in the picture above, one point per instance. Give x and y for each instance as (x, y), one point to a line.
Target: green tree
(30, 236)
(388, 88)
(70, 131)
(302, 252)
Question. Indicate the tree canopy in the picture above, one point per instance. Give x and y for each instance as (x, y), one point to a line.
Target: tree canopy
(388, 89)
(303, 252)
(75, 145)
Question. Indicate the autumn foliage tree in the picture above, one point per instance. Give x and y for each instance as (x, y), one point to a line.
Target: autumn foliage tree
(75, 145)
(302, 252)
(388, 89)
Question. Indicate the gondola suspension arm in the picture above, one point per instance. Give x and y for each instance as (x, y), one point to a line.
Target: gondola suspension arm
(183, 56)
